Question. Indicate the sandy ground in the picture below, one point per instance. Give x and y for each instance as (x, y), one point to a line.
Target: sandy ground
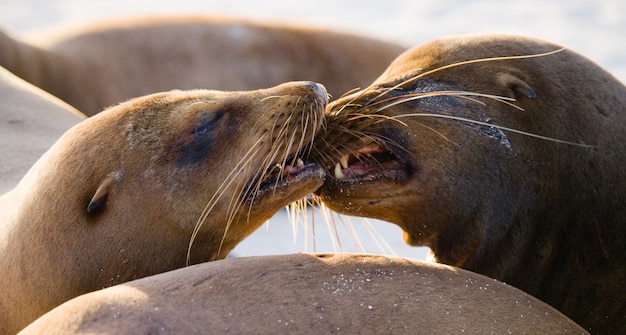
(595, 28)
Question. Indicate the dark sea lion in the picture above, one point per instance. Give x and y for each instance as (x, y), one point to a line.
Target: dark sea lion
(31, 120)
(94, 66)
(308, 294)
(121, 195)
(435, 146)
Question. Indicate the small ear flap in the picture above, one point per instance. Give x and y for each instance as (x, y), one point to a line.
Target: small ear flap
(519, 87)
(99, 198)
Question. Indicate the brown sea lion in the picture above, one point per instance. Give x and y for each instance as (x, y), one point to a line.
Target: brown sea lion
(121, 195)
(31, 120)
(308, 294)
(503, 154)
(94, 66)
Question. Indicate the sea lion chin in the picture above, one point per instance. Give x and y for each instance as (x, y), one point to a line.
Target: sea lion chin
(505, 156)
(151, 185)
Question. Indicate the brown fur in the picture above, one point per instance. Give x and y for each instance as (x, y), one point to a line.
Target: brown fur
(121, 194)
(547, 215)
(30, 121)
(308, 294)
(92, 67)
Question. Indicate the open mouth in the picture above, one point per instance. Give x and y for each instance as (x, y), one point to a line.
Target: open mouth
(279, 178)
(369, 163)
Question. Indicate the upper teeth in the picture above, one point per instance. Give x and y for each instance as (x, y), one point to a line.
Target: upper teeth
(299, 163)
(344, 161)
(342, 164)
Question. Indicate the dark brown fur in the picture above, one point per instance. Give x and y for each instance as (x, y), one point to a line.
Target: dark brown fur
(547, 215)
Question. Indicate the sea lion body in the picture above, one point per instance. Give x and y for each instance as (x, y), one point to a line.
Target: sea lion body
(421, 148)
(308, 294)
(31, 120)
(150, 185)
(95, 66)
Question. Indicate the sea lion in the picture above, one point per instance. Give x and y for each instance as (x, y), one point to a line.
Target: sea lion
(94, 66)
(31, 120)
(308, 294)
(503, 154)
(151, 185)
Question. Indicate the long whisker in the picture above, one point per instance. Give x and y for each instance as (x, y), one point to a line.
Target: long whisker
(474, 61)
(496, 126)
(460, 94)
(358, 116)
(468, 95)
(440, 134)
(377, 237)
(221, 189)
(490, 59)
(232, 212)
(284, 142)
(444, 67)
(333, 220)
(349, 92)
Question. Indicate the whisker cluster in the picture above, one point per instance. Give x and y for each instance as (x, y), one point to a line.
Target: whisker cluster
(336, 224)
(287, 134)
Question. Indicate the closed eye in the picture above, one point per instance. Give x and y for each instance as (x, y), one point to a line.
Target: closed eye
(196, 146)
(207, 123)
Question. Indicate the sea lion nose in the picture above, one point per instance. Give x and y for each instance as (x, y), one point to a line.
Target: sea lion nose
(307, 88)
(319, 89)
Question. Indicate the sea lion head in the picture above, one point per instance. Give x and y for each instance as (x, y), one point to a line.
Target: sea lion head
(147, 177)
(457, 142)
(151, 185)
(503, 154)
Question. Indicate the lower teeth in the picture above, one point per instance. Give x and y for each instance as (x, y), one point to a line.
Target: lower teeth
(338, 171)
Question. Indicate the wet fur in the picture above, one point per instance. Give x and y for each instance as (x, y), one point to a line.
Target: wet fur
(511, 152)
(121, 194)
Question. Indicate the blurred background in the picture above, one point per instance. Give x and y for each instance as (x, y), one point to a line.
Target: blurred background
(594, 28)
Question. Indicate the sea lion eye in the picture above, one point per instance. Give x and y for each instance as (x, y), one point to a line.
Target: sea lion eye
(207, 123)
(196, 146)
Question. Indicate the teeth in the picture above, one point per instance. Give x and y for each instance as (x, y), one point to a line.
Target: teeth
(299, 163)
(344, 161)
(338, 173)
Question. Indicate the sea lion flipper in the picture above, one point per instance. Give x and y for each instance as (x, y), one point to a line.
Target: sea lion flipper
(99, 198)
